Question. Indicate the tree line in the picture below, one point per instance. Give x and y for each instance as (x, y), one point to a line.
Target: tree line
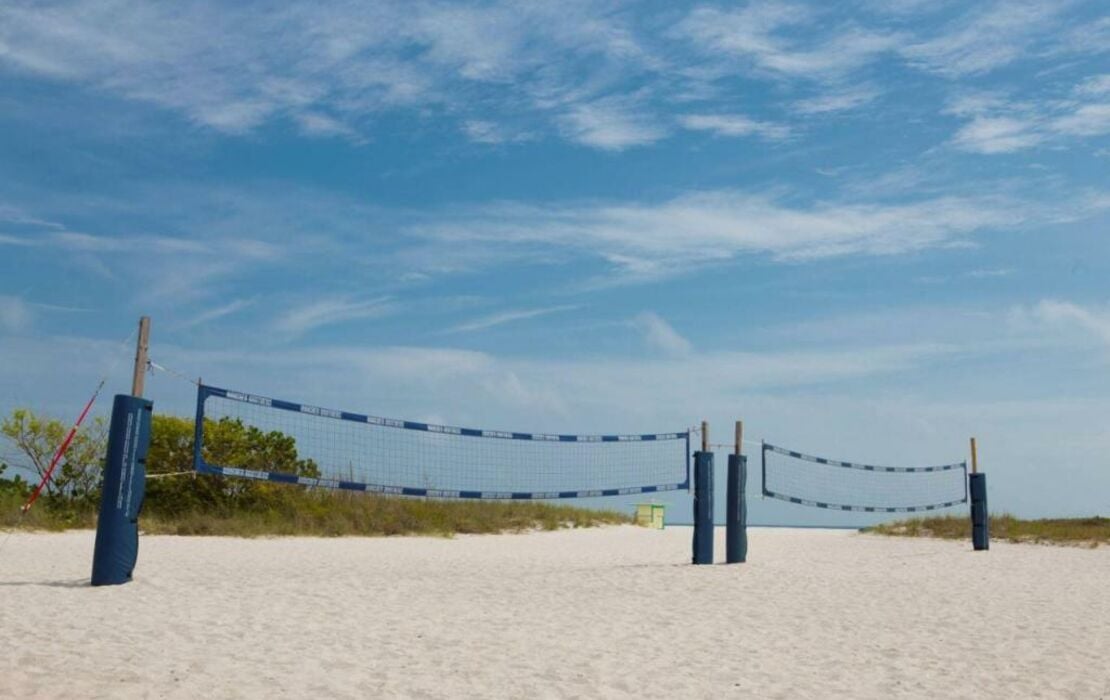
(33, 440)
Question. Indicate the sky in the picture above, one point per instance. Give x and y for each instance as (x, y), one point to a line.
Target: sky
(868, 229)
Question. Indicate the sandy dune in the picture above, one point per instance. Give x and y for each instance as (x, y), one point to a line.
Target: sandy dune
(597, 613)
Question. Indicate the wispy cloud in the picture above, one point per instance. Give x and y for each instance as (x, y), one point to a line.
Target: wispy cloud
(1086, 120)
(611, 124)
(991, 273)
(319, 124)
(1097, 85)
(219, 312)
(648, 240)
(504, 317)
(991, 135)
(325, 312)
(988, 37)
(760, 33)
(1001, 125)
(5, 239)
(1094, 321)
(838, 100)
(484, 131)
(735, 125)
(329, 67)
(661, 336)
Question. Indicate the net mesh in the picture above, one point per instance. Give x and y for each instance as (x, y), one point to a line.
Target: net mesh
(353, 451)
(833, 484)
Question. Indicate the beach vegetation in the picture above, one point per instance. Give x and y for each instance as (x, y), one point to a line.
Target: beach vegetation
(1090, 531)
(181, 502)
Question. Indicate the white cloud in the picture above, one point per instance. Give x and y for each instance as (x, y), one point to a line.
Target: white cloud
(331, 68)
(991, 272)
(988, 37)
(499, 319)
(328, 66)
(654, 239)
(483, 131)
(735, 125)
(997, 135)
(999, 125)
(1086, 120)
(661, 336)
(317, 124)
(758, 33)
(1092, 37)
(5, 239)
(15, 314)
(1094, 322)
(325, 312)
(837, 100)
(611, 124)
(1095, 85)
(219, 312)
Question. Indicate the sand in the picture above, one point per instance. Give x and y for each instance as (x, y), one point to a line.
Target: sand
(612, 612)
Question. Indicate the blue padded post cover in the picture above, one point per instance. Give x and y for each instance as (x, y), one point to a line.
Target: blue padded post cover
(736, 511)
(703, 507)
(121, 497)
(980, 518)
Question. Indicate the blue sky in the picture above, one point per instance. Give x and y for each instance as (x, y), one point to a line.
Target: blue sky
(870, 229)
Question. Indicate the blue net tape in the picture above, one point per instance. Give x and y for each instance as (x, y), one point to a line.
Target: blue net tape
(831, 484)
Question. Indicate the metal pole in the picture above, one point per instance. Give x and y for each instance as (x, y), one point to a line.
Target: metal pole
(142, 347)
(705, 436)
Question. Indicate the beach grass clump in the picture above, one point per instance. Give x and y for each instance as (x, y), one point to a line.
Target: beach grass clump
(1091, 531)
(46, 515)
(321, 513)
(332, 514)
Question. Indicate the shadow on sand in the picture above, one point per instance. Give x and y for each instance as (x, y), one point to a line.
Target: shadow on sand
(69, 583)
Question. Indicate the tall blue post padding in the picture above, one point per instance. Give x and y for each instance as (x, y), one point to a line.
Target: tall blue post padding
(703, 507)
(121, 497)
(736, 511)
(980, 517)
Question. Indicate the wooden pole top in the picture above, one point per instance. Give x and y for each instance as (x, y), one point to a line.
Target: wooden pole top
(705, 436)
(142, 348)
(739, 436)
(974, 458)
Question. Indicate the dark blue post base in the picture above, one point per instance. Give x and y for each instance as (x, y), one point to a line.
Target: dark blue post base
(736, 511)
(703, 507)
(121, 497)
(980, 518)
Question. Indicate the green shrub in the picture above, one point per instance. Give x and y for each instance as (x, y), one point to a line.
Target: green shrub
(184, 503)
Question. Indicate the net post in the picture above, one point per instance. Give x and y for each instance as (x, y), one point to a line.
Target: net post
(980, 516)
(142, 349)
(198, 429)
(703, 501)
(762, 469)
(689, 479)
(736, 515)
(116, 549)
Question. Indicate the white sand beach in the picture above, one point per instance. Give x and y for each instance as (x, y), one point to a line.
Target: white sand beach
(613, 612)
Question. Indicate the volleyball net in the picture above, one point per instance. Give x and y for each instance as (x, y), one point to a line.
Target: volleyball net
(320, 447)
(836, 485)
